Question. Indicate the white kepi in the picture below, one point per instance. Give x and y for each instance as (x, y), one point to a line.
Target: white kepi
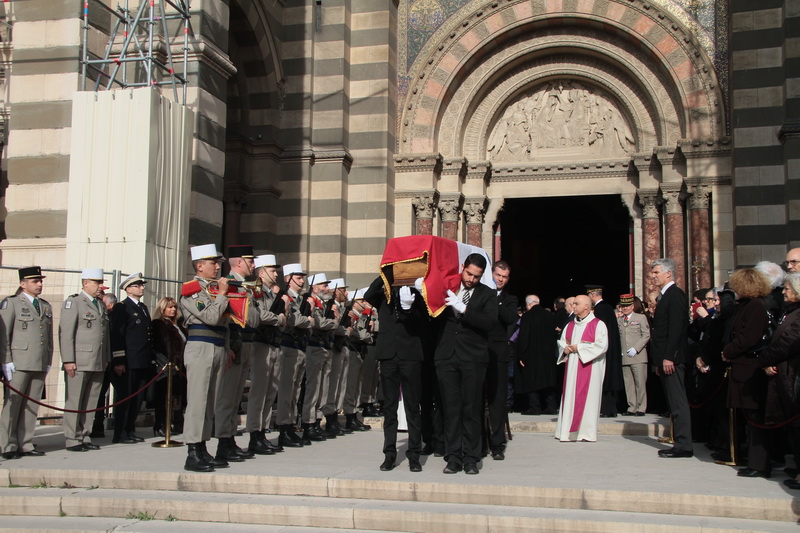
(205, 251)
(268, 260)
(95, 274)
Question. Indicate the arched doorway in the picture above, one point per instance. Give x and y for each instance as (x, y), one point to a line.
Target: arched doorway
(557, 245)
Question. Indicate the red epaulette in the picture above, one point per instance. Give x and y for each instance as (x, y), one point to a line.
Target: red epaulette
(258, 293)
(191, 287)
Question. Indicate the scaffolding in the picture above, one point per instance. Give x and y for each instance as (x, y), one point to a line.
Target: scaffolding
(139, 50)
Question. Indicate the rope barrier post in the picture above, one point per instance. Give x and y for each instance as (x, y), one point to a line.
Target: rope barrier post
(732, 440)
(168, 443)
(671, 438)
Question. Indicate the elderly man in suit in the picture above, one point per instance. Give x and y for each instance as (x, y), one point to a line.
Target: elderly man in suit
(131, 356)
(85, 344)
(668, 349)
(26, 354)
(634, 332)
(461, 358)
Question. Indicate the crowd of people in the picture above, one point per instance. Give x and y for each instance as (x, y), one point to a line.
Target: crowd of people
(311, 349)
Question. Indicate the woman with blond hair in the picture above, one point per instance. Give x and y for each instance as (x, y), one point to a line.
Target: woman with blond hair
(748, 384)
(169, 339)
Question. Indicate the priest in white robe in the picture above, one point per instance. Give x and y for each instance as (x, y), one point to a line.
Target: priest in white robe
(583, 346)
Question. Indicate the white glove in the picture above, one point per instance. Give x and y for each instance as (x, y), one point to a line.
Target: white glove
(631, 352)
(455, 302)
(418, 284)
(406, 298)
(8, 370)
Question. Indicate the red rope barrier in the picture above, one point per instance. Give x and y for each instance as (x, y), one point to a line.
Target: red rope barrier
(773, 426)
(713, 394)
(37, 402)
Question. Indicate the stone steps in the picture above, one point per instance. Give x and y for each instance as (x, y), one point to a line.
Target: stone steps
(223, 509)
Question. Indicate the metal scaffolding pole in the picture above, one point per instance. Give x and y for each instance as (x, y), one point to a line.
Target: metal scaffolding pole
(139, 49)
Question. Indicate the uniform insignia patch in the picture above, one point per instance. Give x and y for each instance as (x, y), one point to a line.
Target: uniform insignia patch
(68, 304)
(200, 305)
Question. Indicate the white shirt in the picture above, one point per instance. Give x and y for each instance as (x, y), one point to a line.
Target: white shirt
(664, 289)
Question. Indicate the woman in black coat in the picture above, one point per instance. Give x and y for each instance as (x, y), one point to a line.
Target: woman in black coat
(169, 339)
(781, 360)
(748, 383)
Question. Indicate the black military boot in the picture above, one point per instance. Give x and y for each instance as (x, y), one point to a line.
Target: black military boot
(258, 446)
(226, 453)
(269, 444)
(210, 459)
(332, 429)
(289, 438)
(371, 410)
(310, 435)
(237, 450)
(355, 424)
(195, 462)
(317, 428)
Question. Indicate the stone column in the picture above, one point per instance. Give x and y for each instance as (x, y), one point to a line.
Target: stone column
(475, 210)
(424, 204)
(700, 263)
(651, 240)
(674, 231)
(450, 206)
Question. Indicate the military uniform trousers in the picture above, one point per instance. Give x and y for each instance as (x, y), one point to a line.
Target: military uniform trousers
(18, 420)
(341, 389)
(370, 379)
(230, 387)
(82, 393)
(334, 380)
(352, 393)
(635, 377)
(318, 369)
(293, 368)
(265, 374)
(203, 361)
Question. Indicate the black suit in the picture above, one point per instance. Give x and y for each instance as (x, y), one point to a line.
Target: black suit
(131, 346)
(669, 340)
(462, 355)
(612, 381)
(399, 351)
(497, 371)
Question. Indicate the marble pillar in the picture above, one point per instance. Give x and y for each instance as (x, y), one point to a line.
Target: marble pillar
(450, 206)
(475, 211)
(675, 242)
(701, 241)
(651, 237)
(424, 205)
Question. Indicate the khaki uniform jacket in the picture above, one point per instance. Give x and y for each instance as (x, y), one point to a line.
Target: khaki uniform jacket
(27, 335)
(84, 335)
(634, 334)
(202, 308)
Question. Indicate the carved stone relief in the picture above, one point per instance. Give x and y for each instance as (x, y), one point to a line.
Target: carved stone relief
(561, 118)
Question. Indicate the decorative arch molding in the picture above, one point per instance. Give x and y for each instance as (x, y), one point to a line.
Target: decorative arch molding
(435, 78)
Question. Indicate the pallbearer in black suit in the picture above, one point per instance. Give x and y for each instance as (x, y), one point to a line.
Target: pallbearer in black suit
(131, 356)
(499, 356)
(669, 345)
(403, 319)
(612, 383)
(462, 355)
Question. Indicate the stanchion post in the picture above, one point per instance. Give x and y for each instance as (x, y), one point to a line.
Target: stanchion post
(671, 438)
(168, 443)
(732, 440)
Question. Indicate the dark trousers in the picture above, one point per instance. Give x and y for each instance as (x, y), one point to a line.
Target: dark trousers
(675, 391)
(496, 397)
(608, 405)
(431, 405)
(461, 384)
(396, 374)
(125, 414)
(543, 400)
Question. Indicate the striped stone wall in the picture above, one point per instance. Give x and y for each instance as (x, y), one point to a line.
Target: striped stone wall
(764, 70)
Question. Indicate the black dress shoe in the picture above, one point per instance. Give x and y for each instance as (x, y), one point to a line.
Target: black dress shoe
(498, 456)
(32, 453)
(387, 464)
(628, 413)
(11, 455)
(471, 469)
(672, 452)
(792, 483)
(160, 433)
(791, 472)
(531, 412)
(76, 448)
(452, 468)
(427, 450)
(90, 446)
(135, 437)
(608, 415)
(123, 440)
(639, 413)
(438, 453)
(414, 465)
(752, 472)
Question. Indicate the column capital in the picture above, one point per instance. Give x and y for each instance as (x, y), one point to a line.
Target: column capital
(673, 199)
(450, 205)
(234, 199)
(424, 203)
(475, 209)
(700, 197)
(649, 200)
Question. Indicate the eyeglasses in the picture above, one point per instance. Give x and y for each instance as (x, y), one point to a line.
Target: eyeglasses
(792, 262)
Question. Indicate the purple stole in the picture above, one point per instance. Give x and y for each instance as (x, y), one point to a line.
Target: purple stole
(584, 373)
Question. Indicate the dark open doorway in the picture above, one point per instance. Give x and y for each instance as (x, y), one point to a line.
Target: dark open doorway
(557, 245)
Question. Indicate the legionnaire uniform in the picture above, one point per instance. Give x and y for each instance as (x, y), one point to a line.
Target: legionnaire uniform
(265, 370)
(131, 346)
(232, 377)
(370, 374)
(358, 340)
(634, 331)
(294, 339)
(339, 355)
(84, 339)
(318, 365)
(27, 352)
(205, 354)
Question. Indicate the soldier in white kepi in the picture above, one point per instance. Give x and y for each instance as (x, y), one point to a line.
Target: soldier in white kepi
(27, 352)
(83, 335)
